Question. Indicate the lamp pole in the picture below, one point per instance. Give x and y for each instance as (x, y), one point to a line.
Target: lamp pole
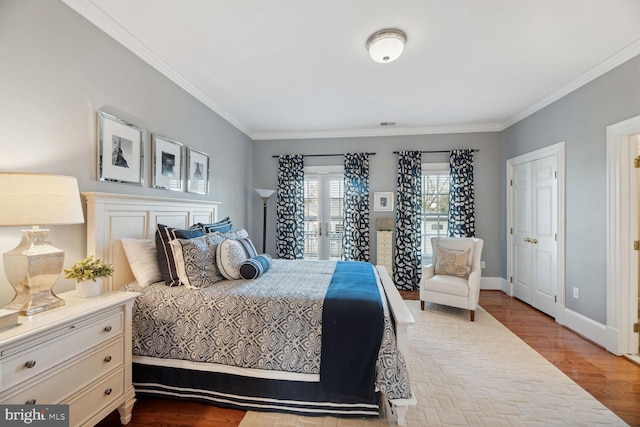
(264, 194)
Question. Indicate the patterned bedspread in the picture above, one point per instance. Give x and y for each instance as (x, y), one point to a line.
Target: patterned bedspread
(273, 322)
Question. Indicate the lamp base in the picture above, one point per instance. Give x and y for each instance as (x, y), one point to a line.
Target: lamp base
(32, 268)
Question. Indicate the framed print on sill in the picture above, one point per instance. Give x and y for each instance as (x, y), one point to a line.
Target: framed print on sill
(383, 201)
(120, 150)
(167, 163)
(197, 172)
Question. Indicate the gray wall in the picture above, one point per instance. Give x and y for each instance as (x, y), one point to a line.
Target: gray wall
(383, 175)
(57, 72)
(580, 118)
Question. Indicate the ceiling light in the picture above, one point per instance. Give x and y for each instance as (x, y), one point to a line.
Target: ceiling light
(386, 45)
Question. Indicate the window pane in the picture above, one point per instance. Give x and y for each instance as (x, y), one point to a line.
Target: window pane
(435, 209)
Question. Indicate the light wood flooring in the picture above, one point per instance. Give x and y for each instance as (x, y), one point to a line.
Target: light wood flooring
(612, 380)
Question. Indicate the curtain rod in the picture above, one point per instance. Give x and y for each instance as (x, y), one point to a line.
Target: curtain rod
(441, 151)
(323, 155)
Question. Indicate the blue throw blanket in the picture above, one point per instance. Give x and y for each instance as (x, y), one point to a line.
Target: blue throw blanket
(352, 329)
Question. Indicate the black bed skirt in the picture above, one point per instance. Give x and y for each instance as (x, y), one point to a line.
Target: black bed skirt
(247, 393)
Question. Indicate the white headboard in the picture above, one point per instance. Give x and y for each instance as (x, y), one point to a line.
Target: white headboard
(111, 217)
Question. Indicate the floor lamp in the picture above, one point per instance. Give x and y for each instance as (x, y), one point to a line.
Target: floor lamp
(265, 194)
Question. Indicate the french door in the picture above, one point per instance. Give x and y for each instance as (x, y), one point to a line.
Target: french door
(323, 215)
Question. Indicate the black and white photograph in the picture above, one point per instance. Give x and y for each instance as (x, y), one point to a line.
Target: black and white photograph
(197, 172)
(167, 163)
(120, 150)
(383, 201)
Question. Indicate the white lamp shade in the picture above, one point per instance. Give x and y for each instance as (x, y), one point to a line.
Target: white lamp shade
(386, 45)
(39, 199)
(264, 193)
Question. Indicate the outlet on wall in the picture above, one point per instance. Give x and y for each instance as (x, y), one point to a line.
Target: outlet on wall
(576, 294)
(481, 264)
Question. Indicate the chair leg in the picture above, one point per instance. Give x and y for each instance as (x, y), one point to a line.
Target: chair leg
(421, 305)
(473, 315)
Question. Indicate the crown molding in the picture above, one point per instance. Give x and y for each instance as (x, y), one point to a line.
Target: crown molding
(100, 19)
(615, 60)
(399, 131)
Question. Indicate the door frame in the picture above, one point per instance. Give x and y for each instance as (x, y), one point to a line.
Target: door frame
(558, 150)
(622, 223)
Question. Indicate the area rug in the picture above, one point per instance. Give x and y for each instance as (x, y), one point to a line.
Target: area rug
(474, 374)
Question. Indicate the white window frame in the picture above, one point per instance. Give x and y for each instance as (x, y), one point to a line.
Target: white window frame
(427, 169)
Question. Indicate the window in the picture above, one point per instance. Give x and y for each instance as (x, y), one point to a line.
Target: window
(323, 212)
(435, 205)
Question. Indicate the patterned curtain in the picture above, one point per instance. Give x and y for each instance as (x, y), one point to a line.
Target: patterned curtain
(408, 258)
(355, 240)
(462, 218)
(290, 207)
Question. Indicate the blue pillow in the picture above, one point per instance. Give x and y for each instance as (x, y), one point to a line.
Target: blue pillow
(166, 261)
(221, 226)
(254, 267)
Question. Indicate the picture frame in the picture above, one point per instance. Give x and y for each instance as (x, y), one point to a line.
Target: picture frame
(167, 165)
(197, 172)
(383, 201)
(120, 150)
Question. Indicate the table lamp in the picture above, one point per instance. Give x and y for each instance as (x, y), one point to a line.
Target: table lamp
(34, 265)
(265, 194)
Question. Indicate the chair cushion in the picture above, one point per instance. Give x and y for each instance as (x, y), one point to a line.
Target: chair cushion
(447, 285)
(453, 262)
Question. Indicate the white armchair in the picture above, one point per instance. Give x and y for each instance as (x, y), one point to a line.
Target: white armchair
(445, 282)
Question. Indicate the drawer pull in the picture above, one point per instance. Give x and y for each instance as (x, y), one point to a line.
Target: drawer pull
(30, 364)
(108, 391)
(107, 328)
(107, 359)
(30, 402)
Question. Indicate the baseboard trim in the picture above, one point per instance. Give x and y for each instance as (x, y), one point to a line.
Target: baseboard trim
(585, 327)
(491, 283)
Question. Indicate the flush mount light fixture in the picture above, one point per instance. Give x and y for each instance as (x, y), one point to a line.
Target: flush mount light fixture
(386, 45)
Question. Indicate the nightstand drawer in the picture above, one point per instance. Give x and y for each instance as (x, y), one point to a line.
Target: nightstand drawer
(31, 361)
(72, 378)
(82, 407)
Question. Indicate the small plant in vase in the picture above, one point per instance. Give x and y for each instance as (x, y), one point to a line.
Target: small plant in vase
(88, 274)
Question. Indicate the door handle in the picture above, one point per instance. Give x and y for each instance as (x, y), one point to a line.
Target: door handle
(526, 239)
(319, 229)
(534, 241)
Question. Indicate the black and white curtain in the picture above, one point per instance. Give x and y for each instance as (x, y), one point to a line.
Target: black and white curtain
(462, 218)
(290, 207)
(408, 259)
(355, 240)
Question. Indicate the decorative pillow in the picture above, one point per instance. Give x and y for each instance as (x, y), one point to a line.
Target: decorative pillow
(255, 266)
(221, 226)
(195, 260)
(143, 260)
(240, 233)
(164, 235)
(452, 263)
(231, 254)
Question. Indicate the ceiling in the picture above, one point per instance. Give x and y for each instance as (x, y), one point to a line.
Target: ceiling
(283, 69)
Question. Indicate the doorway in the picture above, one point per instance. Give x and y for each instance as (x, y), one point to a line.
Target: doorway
(535, 228)
(323, 212)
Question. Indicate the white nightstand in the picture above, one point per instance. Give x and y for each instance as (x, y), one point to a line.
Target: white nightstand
(384, 249)
(78, 354)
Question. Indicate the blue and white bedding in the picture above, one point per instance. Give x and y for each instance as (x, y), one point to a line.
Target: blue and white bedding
(272, 323)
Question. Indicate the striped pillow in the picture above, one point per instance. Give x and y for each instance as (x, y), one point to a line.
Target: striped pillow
(231, 254)
(254, 267)
(166, 261)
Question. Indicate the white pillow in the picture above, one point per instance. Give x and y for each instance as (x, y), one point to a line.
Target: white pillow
(143, 260)
(231, 254)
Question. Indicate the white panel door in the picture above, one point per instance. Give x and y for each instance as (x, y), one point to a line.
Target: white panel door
(534, 229)
(521, 190)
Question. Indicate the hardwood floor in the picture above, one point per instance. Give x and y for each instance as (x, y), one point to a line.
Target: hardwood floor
(612, 380)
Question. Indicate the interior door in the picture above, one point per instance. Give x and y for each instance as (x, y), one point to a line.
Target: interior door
(323, 216)
(534, 230)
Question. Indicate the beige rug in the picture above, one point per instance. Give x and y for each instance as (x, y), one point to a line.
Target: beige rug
(474, 374)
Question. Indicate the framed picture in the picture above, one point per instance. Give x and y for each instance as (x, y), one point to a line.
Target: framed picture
(120, 150)
(383, 201)
(197, 172)
(167, 163)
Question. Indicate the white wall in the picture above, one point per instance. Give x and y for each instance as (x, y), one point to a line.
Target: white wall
(56, 72)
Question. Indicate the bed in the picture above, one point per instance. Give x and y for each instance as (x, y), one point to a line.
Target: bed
(267, 353)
